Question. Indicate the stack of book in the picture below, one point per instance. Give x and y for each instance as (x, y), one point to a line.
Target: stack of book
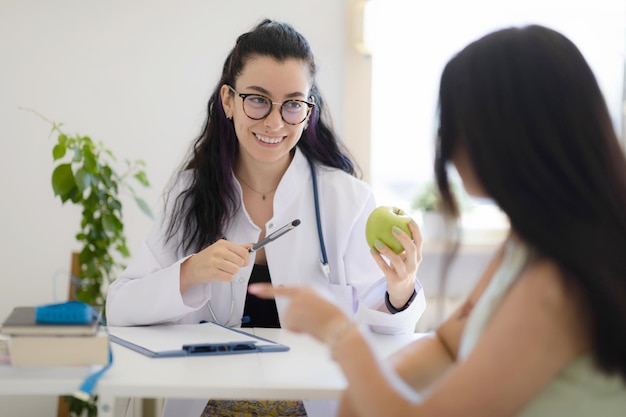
(35, 344)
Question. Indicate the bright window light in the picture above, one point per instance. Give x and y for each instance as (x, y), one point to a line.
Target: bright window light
(410, 42)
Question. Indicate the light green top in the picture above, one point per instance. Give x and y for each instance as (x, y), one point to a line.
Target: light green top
(580, 389)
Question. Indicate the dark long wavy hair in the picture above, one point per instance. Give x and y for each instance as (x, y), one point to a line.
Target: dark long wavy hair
(527, 108)
(204, 210)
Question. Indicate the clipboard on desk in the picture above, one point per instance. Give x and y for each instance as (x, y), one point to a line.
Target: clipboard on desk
(175, 340)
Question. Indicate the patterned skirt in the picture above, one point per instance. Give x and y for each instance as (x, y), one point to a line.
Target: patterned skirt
(253, 408)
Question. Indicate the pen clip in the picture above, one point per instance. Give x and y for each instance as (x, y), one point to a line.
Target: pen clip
(273, 236)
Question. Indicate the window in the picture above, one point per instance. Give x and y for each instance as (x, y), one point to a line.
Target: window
(410, 42)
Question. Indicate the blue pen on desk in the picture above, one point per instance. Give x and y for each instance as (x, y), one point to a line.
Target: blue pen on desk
(273, 236)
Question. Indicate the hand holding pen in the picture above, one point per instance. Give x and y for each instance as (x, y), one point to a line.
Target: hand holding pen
(273, 236)
(222, 260)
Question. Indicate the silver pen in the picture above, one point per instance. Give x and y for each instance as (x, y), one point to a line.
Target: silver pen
(273, 236)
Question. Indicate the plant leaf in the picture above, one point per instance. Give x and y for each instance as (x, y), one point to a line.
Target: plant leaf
(123, 250)
(58, 151)
(90, 164)
(111, 223)
(144, 207)
(142, 178)
(63, 181)
(83, 179)
(78, 154)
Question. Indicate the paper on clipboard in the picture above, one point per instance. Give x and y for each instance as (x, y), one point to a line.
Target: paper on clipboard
(190, 340)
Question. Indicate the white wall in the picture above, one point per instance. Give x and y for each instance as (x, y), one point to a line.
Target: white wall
(136, 75)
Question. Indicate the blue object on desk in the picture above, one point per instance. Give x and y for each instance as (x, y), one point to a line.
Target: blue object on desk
(70, 312)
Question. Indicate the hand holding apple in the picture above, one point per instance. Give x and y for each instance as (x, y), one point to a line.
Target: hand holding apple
(380, 223)
(402, 254)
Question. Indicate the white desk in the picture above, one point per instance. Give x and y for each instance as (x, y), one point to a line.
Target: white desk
(306, 371)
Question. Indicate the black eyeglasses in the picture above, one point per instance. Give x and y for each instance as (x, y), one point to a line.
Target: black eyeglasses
(258, 107)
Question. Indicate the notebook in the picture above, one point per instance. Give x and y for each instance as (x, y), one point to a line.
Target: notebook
(22, 321)
(44, 351)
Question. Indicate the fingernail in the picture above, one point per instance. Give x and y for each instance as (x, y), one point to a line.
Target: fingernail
(413, 222)
(396, 230)
(374, 251)
(379, 244)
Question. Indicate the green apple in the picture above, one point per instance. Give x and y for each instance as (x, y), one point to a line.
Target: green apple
(379, 225)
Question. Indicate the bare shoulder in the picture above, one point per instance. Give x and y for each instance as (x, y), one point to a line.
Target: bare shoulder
(543, 282)
(542, 291)
(544, 278)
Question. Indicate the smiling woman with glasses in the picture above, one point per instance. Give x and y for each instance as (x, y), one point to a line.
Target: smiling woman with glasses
(267, 155)
(258, 107)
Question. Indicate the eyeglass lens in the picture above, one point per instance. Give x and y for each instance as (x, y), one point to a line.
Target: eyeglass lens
(258, 107)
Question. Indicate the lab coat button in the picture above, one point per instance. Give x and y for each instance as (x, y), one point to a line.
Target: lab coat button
(270, 226)
(241, 280)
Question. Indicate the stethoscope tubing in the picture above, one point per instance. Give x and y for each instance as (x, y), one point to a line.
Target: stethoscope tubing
(323, 260)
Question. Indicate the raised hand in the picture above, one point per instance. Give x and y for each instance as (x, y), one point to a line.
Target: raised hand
(308, 312)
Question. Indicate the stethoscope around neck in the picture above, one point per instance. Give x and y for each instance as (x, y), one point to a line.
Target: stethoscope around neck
(323, 259)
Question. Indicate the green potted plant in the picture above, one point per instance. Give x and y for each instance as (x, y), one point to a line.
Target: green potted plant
(88, 175)
(427, 199)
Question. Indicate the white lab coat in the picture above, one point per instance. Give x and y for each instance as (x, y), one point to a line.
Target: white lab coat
(148, 292)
